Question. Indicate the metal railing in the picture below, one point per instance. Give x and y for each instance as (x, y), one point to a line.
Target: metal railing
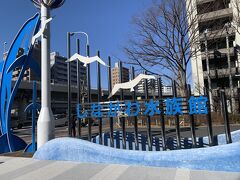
(150, 138)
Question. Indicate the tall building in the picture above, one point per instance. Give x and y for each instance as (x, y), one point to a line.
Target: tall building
(29, 74)
(153, 87)
(59, 70)
(116, 74)
(216, 66)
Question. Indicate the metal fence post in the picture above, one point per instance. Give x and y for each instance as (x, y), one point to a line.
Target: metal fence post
(109, 91)
(99, 97)
(69, 110)
(89, 95)
(177, 124)
(135, 118)
(209, 119)
(192, 123)
(78, 87)
(122, 119)
(160, 95)
(226, 118)
(149, 131)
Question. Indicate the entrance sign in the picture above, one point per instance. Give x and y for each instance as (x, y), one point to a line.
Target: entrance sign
(171, 107)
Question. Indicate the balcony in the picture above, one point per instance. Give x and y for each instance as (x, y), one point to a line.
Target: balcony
(216, 92)
(215, 15)
(235, 92)
(221, 73)
(225, 72)
(212, 74)
(222, 51)
(216, 34)
(203, 1)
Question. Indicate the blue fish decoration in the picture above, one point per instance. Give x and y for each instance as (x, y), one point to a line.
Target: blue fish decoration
(8, 141)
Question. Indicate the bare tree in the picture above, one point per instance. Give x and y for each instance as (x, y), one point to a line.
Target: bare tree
(236, 13)
(164, 37)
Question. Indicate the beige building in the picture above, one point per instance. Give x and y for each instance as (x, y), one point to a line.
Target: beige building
(116, 74)
(216, 65)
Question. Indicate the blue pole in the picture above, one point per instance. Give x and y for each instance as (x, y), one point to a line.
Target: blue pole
(34, 115)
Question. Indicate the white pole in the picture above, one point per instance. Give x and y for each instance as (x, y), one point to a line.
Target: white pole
(45, 126)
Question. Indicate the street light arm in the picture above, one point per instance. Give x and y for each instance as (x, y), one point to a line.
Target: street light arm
(81, 32)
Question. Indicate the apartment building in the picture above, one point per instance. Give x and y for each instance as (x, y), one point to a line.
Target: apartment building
(116, 74)
(153, 87)
(216, 65)
(59, 70)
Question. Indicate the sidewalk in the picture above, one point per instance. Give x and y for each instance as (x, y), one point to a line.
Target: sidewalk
(27, 168)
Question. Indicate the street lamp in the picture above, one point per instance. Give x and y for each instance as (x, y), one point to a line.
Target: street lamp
(84, 33)
(45, 130)
(69, 34)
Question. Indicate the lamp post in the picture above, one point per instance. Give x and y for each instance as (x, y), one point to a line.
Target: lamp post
(45, 126)
(69, 34)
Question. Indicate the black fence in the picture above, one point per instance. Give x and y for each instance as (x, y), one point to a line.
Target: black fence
(150, 138)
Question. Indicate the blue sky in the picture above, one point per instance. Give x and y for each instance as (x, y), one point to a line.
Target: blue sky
(107, 22)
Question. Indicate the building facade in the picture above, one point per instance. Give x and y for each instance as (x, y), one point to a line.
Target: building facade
(116, 74)
(153, 87)
(59, 70)
(29, 74)
(216, 65)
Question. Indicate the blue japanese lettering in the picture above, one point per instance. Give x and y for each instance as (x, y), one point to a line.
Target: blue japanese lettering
(152, 108)
(173, 106)
(114, 109)
(136, 106)
(198, 105)
(96, 110)
(79, 113)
